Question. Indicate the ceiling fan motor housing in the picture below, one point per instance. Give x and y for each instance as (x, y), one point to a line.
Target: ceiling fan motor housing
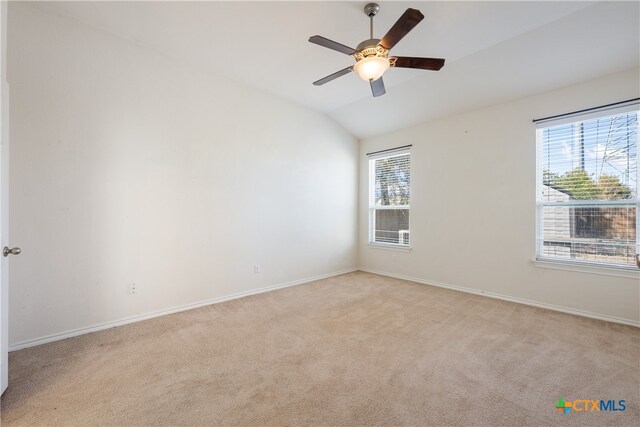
(372, 47)
(367, 45)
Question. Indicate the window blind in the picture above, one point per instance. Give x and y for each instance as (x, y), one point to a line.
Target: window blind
(389, 197)
(587, 188)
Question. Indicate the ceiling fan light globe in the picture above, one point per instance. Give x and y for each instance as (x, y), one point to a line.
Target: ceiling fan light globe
(371, 68)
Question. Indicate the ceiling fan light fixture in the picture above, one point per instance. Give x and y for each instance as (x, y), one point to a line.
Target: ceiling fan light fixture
(371, 68)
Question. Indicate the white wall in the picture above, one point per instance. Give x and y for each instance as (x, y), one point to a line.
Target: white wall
(473, 204)
(127, 166)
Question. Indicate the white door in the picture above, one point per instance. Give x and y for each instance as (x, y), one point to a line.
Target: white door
(4, 202)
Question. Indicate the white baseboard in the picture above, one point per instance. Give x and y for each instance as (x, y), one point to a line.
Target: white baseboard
(145, 316)
(509, 298)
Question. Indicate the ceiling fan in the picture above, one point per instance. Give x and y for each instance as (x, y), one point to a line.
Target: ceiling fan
(372, 55)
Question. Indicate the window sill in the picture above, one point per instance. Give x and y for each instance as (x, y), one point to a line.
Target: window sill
(389, 247)
(588, 268)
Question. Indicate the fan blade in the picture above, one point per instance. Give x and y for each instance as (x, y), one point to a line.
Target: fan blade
(333, 76)
(409, 19)
(377, 87)
(325, 42)
(422, 63)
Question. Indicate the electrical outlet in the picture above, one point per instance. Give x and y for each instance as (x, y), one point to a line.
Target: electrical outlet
(256, 268)
(132, 289)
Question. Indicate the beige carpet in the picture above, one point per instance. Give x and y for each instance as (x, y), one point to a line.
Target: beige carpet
(357, 349)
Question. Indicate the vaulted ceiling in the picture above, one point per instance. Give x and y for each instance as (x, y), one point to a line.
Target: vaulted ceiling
(495, 51)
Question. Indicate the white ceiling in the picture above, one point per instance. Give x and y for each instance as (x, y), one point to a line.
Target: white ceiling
(495, 51)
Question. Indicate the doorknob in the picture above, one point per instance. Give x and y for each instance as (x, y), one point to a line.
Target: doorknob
(13, 251)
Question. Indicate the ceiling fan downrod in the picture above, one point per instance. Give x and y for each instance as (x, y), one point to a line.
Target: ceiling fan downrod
(371, 9)
(368, 47)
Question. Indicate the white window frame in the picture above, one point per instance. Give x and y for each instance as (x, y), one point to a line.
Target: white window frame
(373, 207)
(573, 264)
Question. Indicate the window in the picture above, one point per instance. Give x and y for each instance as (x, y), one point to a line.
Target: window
(389, 197)
(587, 188)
